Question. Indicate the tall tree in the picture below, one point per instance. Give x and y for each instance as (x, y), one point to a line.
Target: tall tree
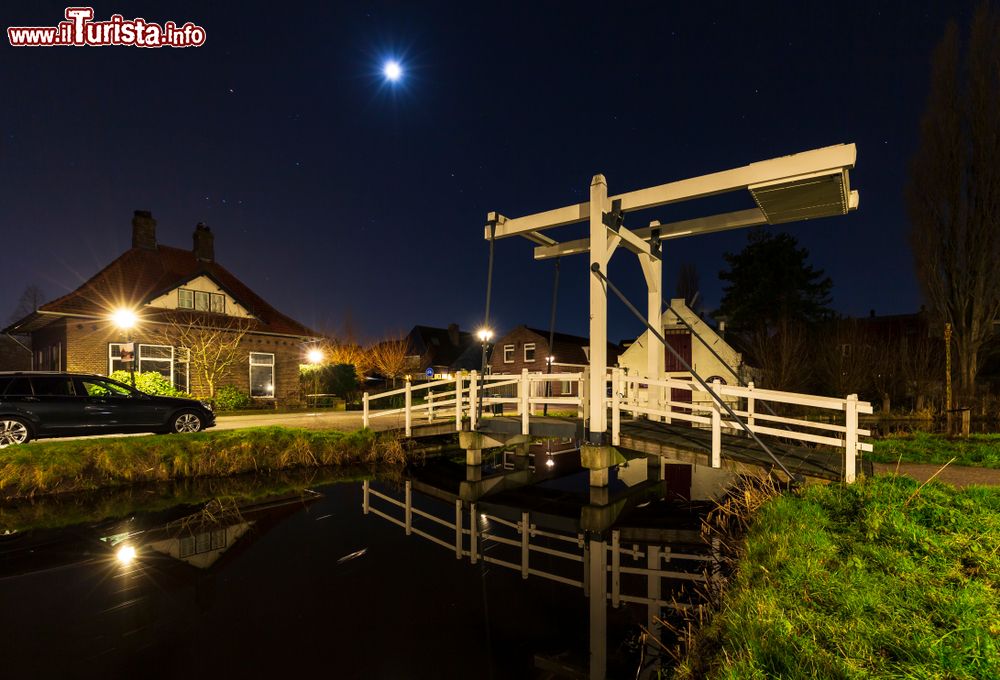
(388, 357)
(212, 350)
(953, 194)
(770, 285)
(687, 284)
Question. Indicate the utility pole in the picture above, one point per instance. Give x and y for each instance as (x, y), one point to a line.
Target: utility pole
(947, 374)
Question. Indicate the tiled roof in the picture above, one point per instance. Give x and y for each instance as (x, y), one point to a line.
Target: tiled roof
(140, 275)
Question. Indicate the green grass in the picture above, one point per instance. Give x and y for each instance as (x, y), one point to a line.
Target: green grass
(978, 450)
(876, 579)
(86, 464)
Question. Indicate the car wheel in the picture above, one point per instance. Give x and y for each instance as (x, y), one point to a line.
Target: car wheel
(13, 431)
(186, 421)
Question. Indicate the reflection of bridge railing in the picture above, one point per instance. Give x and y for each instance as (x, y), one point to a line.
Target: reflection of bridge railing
(460, 398)
(484, 532)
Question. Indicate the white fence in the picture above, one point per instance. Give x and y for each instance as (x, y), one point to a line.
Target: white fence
(468, 396)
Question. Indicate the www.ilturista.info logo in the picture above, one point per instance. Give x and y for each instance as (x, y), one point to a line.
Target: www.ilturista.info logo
(80, 30)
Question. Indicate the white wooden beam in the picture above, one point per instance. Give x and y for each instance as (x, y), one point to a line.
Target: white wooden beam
(787, 168)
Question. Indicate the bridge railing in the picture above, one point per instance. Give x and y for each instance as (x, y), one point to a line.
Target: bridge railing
(459, 398)
(660, 404)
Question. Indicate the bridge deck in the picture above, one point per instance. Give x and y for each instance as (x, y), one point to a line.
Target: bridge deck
(676, 441)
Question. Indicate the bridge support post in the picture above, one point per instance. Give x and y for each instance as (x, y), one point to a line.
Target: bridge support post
(851, 438)
(616, 413)
(598, 309)
(599, 459)
(716, 427)
(364, 498)
(473, 456)
(458, 402)
(525, 544)
(750, 405)
(652, 271)
(458, 528)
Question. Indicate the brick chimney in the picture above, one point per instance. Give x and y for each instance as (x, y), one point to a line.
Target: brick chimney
(453, 336)
(204, 243)
(143, 230)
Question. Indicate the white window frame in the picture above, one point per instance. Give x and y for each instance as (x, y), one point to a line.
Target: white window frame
(529, 346)
(185, 293)
(511, 349)
(177, 355)
(567, 387)
(255, 360)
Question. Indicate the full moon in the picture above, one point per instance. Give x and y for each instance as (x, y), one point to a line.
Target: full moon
(392, 70)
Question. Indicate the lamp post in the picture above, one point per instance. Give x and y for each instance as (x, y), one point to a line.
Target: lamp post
(315, 358)
(125, 319)
(485, 335)
(549, 360)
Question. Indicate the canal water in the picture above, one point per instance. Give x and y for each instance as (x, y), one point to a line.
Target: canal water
(281, 576)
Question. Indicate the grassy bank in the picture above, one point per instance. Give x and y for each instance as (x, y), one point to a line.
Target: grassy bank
(86, 464)
(878, 579)
(979, 450)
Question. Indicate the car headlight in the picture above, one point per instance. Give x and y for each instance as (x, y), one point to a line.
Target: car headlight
(207, 405)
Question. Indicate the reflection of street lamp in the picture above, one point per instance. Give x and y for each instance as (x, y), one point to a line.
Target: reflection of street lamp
(315, 358)
(549, 360)
(485, 335)
(125, 319)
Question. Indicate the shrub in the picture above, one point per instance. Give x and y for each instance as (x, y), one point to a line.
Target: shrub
(150, 382)
(230, 398)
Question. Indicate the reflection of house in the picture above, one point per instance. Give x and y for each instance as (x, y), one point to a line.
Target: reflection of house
(169, 289)
(442, 350)
(691, 337)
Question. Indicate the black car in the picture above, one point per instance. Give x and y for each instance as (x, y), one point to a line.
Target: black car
(35, 405)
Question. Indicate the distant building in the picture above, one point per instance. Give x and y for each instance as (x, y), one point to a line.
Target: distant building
(442, 350)
(691, 337)
(168, 288)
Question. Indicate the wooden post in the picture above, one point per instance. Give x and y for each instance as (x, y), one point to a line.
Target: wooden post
(598, 335)
(524, 392)
(408, 410)
(850, 437)
(581, 391)
(616, 413)
(458, 402)
(409, 508)
(473, 402)
(458, 528)
(430, 405)
(716, 426)
(364, 501)
(525, 545)
(750, 406)
(364, 405)
(616, 584)
(473, 534)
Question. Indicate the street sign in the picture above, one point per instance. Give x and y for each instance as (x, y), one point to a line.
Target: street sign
(127, 352)
(429, 372)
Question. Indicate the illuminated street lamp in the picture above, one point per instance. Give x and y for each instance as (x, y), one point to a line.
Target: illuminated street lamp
(315, 357)
(126, 319)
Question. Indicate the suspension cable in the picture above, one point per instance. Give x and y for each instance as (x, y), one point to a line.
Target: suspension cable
(550, 359)
(596, 269)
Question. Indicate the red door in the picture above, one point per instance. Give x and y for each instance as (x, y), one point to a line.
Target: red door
(680, 342)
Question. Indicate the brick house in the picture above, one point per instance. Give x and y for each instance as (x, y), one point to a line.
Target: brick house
(439, 349)
(528, 348)
(174, 293)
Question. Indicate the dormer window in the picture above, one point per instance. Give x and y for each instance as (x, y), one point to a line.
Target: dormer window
(201, 301)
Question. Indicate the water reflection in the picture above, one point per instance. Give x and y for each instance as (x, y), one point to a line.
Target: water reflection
(626, 545)
(507, 572)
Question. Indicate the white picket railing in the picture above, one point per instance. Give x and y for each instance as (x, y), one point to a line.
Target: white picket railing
(466, 396)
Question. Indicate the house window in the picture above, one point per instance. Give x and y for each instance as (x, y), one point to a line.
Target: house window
(567, 387)
(185, 299)
(261, 375)
(529, 352)
(508, 354)
(202, 542)
(201, 301)
(218, 303)
(170, 362)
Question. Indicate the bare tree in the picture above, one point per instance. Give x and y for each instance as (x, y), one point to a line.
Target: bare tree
(388, 357)
(213, 346)
(783, 356)
(921, 365)
(954, 190)
(349, 352)
(844, 358)
(31, 299)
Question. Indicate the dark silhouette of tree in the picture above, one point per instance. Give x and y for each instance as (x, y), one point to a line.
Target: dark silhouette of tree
(770, 285)
(31, 299)
(953, 194)
(687, 284)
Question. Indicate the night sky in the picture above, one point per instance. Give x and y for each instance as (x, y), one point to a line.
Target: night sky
(347, 201)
